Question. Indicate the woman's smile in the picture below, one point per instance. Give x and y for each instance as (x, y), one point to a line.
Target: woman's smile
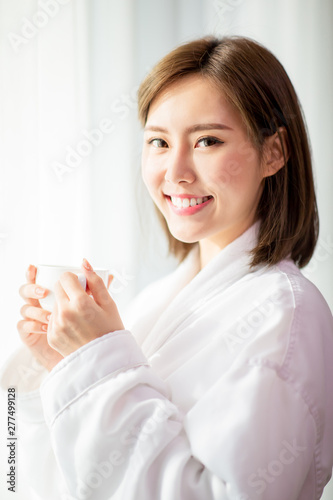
(187, 204)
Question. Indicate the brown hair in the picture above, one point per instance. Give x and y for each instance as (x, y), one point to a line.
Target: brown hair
(256, 83)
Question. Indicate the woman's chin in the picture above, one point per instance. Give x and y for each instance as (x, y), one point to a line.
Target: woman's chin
(185, 238)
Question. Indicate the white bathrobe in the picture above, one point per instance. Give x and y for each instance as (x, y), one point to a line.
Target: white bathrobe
(221, 388)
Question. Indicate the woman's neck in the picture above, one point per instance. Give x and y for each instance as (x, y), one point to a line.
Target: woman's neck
(210, 247)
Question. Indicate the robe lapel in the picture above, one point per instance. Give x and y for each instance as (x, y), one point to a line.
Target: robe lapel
(230, 265)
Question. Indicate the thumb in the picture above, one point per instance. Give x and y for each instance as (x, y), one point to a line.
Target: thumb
(96, 285)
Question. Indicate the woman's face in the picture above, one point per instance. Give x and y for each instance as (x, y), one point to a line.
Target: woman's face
(199, 165)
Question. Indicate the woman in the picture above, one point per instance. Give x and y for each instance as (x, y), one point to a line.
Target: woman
(221, 388)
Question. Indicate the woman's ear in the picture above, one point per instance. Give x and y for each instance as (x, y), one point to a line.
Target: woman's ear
(276, 152)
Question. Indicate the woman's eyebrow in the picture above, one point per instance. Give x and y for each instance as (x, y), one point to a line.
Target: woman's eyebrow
(194, 128)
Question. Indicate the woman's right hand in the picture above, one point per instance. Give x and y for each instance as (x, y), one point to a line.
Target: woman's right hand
(33, 327)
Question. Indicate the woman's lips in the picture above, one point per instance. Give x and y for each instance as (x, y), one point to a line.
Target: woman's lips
(186, 204)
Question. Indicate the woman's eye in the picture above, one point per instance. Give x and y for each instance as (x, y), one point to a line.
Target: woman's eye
(158, 143)
(205, 142)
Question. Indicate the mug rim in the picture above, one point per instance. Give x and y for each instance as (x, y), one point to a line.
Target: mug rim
(68, 268)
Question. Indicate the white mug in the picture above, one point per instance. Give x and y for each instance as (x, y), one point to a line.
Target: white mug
(48, 275)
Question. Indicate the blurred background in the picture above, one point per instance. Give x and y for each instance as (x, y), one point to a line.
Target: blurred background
(70, 142)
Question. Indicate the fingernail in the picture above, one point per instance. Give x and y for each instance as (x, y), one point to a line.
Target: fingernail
(40, 291)
(44, 327)
(29, 270)
(86, 265)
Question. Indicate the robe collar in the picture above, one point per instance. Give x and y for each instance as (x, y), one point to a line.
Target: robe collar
(198, 287)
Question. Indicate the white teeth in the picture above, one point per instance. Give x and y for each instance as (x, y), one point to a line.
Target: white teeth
(187, 202)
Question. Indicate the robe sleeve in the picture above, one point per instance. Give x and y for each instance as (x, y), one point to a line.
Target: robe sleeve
(117, 435)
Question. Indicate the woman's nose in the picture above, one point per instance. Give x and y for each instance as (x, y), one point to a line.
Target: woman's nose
(180, 167)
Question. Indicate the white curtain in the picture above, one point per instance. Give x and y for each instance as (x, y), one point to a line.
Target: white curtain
(70, 141)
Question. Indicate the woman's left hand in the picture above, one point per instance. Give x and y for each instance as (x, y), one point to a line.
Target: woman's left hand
(77, 317)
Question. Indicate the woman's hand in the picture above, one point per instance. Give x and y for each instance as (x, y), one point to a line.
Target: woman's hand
(33, 327)
(77, 317)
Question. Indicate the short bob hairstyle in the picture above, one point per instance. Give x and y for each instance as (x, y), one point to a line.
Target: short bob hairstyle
(255, 82)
